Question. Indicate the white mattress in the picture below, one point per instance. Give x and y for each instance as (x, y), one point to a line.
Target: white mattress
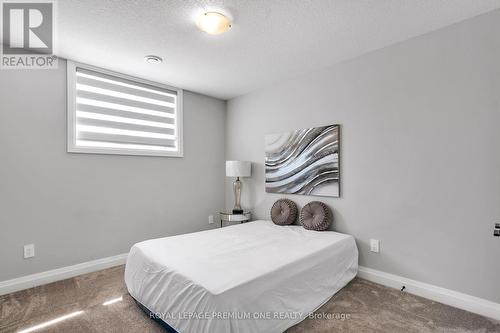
(251, 277)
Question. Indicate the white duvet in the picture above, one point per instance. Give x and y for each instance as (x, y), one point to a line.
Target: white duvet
(251, 277)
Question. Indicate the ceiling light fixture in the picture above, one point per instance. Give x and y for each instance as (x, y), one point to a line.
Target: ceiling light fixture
(214, 23)
(152, 59)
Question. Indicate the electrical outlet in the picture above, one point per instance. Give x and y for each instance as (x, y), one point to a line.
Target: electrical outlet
(29, 251)
(375, 245)
(210, 219)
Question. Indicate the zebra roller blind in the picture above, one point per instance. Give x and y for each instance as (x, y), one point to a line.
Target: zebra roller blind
(109, 113)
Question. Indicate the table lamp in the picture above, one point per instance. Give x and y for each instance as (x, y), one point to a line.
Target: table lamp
(238, 169)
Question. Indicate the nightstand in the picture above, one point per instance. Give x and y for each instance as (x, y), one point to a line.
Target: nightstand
(228, 218)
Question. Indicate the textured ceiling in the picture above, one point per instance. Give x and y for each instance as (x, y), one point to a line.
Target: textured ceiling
(271, 40)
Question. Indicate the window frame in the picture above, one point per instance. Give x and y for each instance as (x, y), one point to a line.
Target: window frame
(71, 115)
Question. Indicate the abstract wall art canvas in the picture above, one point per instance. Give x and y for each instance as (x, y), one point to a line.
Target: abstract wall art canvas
(304, 161)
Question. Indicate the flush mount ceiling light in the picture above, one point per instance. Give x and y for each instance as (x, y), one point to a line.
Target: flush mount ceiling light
(152, 59)
(213, 23)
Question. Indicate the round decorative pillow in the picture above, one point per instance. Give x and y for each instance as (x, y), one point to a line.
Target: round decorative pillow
(316, 216)
(284, 212)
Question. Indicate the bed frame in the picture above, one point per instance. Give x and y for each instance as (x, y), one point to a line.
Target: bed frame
(155, 318)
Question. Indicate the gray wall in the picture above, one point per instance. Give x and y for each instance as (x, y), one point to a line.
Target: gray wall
(79, 207)
(420, 152)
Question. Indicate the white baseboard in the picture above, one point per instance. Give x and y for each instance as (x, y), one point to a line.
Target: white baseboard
(33, 280)
(442, 295)
(446, 296)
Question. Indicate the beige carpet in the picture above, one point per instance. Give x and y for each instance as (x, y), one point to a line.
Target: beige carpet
(362, 306)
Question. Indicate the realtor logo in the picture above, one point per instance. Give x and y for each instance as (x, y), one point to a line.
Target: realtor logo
(28, 35)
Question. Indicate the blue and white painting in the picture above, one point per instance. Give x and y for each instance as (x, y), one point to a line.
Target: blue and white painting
(304, 161)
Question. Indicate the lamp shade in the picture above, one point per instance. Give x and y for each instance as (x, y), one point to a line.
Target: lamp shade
(238, 168)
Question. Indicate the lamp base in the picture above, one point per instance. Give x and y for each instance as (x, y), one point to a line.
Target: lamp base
(237, 196)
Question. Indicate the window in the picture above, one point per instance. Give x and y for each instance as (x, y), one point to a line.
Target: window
(110, 113)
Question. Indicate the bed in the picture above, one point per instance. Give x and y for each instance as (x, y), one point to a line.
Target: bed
(251, 277)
